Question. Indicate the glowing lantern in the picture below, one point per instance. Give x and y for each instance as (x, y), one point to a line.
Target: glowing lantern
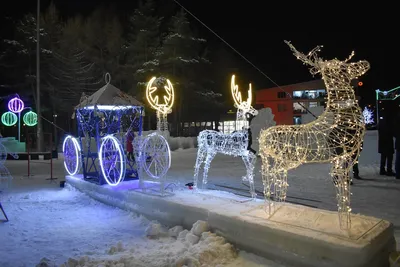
(9, 118)
(30, 118)
(16, 105)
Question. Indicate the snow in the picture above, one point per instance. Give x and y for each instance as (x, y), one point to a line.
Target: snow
(64, 225)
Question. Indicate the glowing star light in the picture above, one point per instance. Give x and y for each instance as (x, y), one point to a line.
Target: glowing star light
(16, 105)
(234, 144)
(9, 119)
(368, 116)
(30, 118)
(334, 137)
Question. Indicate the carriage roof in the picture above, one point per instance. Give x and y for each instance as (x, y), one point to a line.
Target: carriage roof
(109, 95)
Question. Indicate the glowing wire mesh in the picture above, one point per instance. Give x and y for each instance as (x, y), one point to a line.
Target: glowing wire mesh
(335, 137)
(234, 144)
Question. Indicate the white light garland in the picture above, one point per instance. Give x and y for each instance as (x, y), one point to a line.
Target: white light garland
(234, 144)
(335, 137)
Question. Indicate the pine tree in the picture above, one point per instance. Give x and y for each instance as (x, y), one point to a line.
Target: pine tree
(183, 60)
(103, 44)
(144, 45)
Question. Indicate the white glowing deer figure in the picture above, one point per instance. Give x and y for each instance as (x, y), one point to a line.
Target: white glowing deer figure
(334, 137)
(234, 144)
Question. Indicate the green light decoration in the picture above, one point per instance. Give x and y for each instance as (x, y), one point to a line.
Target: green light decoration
(9, 118)
(30, 118)
(388, 95)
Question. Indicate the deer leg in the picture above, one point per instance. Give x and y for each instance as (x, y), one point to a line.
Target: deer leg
(268, 177)
(199, 160)
(210, 156)
(340, 174)
(250, 161)
(280, 183)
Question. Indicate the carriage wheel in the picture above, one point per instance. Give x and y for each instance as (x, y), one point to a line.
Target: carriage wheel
(112, 160)
(72, 155)
(156, 155)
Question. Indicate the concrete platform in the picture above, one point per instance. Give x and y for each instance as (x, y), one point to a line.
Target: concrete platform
(295, 235)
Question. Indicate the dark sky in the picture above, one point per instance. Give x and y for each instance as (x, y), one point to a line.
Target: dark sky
(257, 30)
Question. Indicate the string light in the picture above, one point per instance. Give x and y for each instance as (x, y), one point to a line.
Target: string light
(234, 144)
(335, 136)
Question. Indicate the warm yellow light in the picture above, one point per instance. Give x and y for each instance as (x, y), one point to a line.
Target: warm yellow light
(165, 107)
(335, 136)
(237, 96)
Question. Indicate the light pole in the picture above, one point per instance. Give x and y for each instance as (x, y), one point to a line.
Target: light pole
(39, 114)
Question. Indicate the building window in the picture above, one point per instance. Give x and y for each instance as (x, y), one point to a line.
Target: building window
(296, 120)
(299, 107)
(281, 94)
(281, 107)
(228, 126)
(313, 104)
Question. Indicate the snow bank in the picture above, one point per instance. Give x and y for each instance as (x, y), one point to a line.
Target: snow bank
(294, 234)
(197, 247)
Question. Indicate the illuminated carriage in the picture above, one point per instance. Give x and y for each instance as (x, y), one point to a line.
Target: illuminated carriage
(110, 121)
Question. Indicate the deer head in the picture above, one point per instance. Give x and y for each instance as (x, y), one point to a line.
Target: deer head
(154, 100)
(237, 98)
(342, 67)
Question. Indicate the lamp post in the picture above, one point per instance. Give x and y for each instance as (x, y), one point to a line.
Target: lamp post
(38, 111)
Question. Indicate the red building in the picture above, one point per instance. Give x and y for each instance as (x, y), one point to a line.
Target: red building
(288, 102)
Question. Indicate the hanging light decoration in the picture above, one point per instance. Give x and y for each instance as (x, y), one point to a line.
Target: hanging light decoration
(9, 119)
(16, 105)
(30, 118)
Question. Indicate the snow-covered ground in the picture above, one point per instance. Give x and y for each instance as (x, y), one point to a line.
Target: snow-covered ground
(61, 224)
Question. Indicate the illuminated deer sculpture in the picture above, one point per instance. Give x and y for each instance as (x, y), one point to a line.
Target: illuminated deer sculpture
(234, 144)
(335, 136)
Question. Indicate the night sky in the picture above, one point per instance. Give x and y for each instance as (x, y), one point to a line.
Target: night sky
(257, 30)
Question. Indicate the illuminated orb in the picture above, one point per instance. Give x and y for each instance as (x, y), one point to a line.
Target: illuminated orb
(30, 118)
(112, 160)
(72, 154)
(9, 118)
(16, 105)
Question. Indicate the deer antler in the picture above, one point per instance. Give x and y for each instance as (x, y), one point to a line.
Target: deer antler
(237, 96)
(169, 98)
(350, 57)
(310, 58)
(154, 101)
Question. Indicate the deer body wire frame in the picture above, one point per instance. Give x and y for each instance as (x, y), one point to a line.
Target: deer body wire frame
(236, 144)
(335, 136)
